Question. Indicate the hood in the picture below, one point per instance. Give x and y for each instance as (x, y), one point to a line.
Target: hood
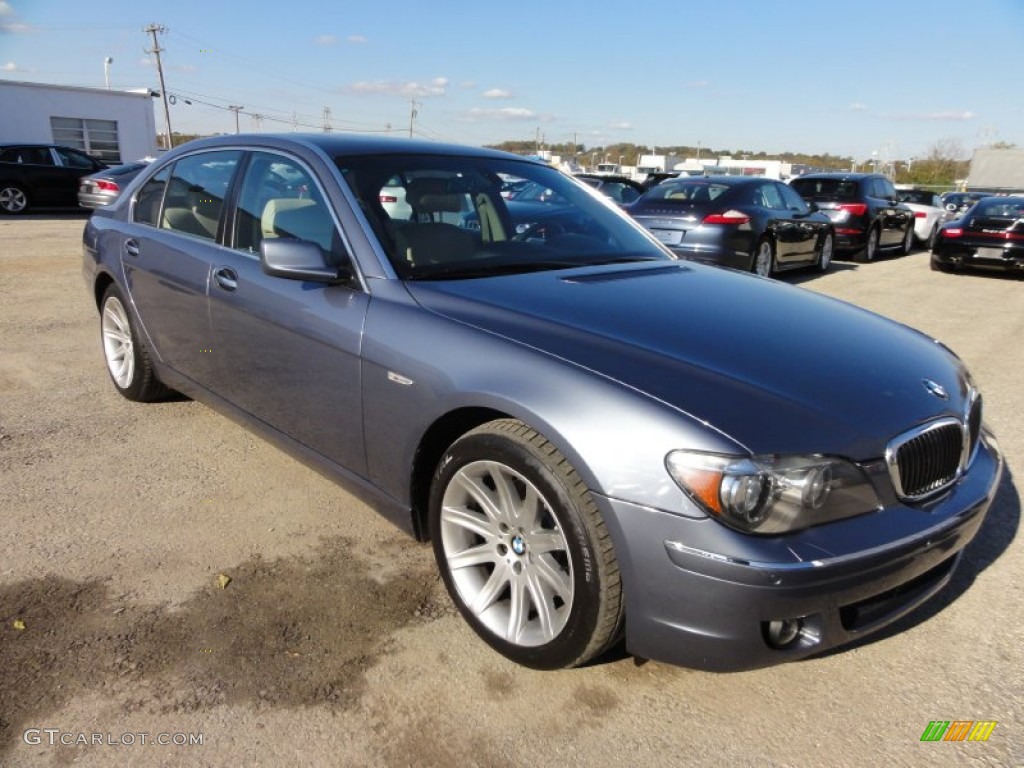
(777, 368)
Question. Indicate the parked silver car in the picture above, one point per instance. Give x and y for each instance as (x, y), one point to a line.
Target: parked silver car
(598, 439)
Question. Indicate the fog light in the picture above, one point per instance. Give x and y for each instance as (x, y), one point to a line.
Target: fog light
(784, 632)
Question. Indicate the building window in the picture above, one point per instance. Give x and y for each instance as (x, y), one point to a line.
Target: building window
(96, 137)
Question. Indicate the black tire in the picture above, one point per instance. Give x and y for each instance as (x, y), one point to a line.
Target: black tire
(13, 199)
(908, 240)
(763, 259)
(125, 355)
(557, 548)
(930, 243)
(870, 251)
(827, 252)
(939, 266)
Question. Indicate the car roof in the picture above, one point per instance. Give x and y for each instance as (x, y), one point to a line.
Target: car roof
(839, 175)
(347, 144)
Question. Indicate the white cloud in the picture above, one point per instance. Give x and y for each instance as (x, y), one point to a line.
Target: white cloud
(622, 126)
(508, 114)
(10, 66)
(497, 93)
(436, 87)
(946, 116)
(697, 84)
(5, 8)
(146, 62)
(325, 39)
(858, 107)
(467, 84)
(356, 39)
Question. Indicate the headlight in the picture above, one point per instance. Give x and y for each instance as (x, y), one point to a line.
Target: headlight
(772, 494)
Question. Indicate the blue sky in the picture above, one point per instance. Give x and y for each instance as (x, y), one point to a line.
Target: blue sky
(848, 78)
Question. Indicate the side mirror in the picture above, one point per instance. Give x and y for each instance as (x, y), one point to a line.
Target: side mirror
(299, 260)
(813, 206)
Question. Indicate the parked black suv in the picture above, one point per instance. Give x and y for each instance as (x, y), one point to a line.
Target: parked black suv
(865, 209)
(34, 175)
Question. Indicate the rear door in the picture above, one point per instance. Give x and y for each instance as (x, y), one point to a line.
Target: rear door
(894, 218)
(72, 167)
(169, 256)
(801, 228)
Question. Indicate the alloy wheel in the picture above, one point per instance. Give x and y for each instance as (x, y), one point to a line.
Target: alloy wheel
(507, 554)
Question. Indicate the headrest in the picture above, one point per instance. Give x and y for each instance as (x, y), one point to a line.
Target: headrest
(274, 207)
(441, 203)
(417, 189)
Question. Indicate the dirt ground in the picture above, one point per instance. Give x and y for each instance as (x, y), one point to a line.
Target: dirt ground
(334, 643)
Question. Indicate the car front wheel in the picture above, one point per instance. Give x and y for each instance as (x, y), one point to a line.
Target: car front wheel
(13, 199)
(522, 548)
(127, 358)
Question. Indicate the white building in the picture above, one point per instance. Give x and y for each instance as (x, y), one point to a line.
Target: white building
(114, 126)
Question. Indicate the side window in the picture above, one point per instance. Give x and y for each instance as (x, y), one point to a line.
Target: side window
(280, 198)
(791, 200)
(35, 156)
(74, 159)
(150, 199)
(194, 198)
(885, 189)
(771, 196)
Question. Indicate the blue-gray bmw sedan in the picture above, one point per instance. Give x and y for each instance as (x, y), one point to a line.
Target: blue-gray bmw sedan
(599, 440)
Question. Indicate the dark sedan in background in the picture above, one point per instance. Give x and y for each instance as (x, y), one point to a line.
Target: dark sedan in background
(865, 209)
(599, 439)
(990, 235)
(41, 175)
(752, 224)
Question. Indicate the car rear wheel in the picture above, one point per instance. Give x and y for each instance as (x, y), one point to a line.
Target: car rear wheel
(13, 199)
(522, 548)
(871, 247)
(940, 266)
(825, 258)
(908, 240)
(764, 258)
(126, 356)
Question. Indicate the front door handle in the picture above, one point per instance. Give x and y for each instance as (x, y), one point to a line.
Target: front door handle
(226, 278)
(131, 247)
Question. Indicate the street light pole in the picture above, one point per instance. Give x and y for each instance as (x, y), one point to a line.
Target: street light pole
(106, 70)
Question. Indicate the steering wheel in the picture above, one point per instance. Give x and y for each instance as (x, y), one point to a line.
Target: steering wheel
(544, 230)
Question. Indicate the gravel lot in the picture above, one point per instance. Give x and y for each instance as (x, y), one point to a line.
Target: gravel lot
(334, 643)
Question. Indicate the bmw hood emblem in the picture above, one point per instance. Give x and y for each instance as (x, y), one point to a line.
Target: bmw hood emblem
(936, 389)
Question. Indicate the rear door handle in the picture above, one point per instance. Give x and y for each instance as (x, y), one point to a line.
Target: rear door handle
(131, 247)
(226, 278)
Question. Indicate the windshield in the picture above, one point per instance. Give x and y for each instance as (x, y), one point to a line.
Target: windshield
(686, 191)
(455, 222)
(917, 197)
(826, 189)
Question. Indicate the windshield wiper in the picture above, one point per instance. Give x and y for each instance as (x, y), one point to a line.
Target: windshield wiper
(467, 272)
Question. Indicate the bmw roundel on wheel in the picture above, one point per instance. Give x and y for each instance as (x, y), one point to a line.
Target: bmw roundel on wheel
(601, 442)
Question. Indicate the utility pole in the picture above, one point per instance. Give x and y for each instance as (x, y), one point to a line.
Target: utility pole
(236, 110)
(156, 50)
(412, 113)
(327, 119)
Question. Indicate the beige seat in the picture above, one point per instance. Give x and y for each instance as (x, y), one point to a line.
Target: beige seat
(275, 206)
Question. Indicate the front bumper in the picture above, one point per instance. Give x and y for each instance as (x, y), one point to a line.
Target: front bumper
(702, 596)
